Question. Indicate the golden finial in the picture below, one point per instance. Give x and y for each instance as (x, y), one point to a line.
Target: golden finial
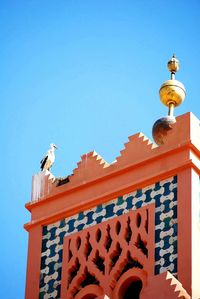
(172, 93)
(173, 66)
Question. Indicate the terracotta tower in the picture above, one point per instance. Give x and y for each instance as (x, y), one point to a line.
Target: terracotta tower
(130, 229)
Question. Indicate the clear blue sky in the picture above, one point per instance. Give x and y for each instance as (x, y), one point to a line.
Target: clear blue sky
(84, 75)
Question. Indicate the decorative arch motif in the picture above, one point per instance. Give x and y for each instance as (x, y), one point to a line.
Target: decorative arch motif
(101, 255)
(90, 292)
(126, 280)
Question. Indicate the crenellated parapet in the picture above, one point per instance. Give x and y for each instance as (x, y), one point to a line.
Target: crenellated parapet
(137, 151)
(91, 165)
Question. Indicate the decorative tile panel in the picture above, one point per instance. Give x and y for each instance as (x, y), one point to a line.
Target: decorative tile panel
(163, 194)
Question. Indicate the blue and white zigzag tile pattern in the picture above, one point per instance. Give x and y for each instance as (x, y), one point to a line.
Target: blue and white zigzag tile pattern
(163, 193)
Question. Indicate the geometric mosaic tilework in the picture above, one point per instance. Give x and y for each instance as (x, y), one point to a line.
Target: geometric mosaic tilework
(163, 194)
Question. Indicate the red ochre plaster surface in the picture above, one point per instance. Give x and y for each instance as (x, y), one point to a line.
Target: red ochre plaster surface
(105, 251)
(141, 163)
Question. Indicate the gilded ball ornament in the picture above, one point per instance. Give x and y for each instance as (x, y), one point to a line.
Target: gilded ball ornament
(172, 91)
(161, 129)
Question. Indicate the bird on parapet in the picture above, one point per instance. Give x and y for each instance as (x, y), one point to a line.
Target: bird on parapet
(49, 158)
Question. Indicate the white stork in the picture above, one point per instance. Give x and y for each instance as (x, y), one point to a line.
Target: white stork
(49, 158)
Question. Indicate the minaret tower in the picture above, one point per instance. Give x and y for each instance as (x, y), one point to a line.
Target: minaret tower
(125, 230)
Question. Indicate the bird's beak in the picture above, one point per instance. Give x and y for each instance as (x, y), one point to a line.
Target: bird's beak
(55, 146)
